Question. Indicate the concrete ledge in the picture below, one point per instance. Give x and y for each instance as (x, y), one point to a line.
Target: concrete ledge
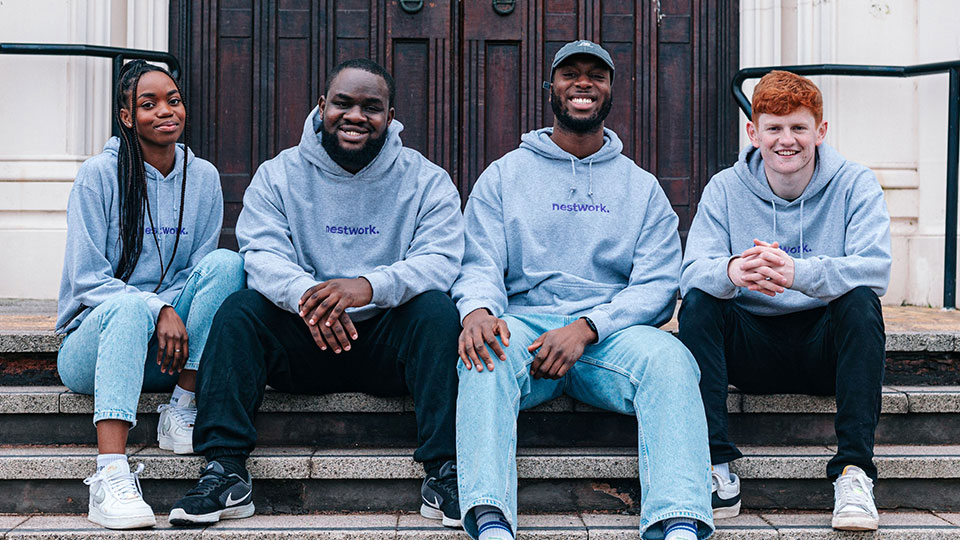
(896, 400)
(294, 463)
(392, 526)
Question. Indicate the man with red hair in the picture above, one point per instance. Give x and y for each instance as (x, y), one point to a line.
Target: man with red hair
(784, 265)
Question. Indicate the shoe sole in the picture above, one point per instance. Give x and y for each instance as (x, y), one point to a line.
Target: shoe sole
(854, 523)
(430, 512)
(727, 512)
(167, 443)
(178, 516)
(125, 522)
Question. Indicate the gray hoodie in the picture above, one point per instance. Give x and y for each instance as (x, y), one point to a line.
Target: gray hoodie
(837, 231)
(550, 233)
(93, 233)
(305, 219)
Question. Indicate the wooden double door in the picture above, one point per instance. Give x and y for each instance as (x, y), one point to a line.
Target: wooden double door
(469, 77)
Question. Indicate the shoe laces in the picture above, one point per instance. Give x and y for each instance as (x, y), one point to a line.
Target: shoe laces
(209, 481)
(183, 412)
(855, 489)
(124, 486)
(448, 481)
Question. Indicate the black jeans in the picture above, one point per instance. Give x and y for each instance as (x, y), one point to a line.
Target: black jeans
(408, 349)
(837, 350)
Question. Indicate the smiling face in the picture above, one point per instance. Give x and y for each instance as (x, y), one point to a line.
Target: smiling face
(788, 145)
(580, 94)
(160, 110)
(356, 112)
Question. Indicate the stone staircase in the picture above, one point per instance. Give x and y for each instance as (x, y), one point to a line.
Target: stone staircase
(340, 466)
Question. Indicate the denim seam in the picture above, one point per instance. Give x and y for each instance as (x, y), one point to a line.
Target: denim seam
(708, 522)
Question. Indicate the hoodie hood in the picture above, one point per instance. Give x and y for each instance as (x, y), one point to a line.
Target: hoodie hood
(750, 170)
(539, 142)
(112, 149)
(313, 151)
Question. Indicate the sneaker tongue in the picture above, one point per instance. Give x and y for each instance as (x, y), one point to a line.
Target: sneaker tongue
(186, 402)
(214, 466)
(119, 466)
(851, 469)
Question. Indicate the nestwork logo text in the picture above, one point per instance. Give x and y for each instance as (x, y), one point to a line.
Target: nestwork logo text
(576, 207)
(350, 231)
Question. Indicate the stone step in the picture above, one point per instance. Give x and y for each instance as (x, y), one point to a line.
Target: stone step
(297, 480)
(403, 526)
(914, 415)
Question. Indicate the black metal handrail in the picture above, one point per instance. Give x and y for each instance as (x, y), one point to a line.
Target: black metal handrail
(953, 136)
(117, 54)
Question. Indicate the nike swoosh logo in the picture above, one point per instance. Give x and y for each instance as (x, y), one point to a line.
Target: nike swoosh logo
(231, 502)
(435, 503)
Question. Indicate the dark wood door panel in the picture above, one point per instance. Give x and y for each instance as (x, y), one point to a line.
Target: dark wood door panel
(469, 79)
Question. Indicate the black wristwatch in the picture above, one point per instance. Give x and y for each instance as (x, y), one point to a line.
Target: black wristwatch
(592, 327)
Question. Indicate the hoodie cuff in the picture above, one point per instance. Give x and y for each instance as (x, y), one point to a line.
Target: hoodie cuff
(381, 284)
(603, 322)
(726, 289)
(155, 304)
(295, 293)
(466, 307)
(806, 272)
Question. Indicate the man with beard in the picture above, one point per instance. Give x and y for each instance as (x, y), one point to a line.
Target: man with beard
(571, 262)
(350, 242)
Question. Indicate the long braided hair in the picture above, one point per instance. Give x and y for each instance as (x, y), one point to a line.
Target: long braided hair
(132, 177)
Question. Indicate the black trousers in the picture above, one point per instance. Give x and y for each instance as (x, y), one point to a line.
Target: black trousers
(408, 349)
(837, 350)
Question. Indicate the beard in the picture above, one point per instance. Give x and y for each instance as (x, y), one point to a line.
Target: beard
(351, 159)
(579, 125)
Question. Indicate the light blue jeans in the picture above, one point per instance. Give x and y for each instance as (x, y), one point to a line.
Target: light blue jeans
(639, 371)
(112, 354)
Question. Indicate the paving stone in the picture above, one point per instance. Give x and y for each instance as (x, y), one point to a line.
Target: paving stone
(550, 527)
(386, 463)
(9, 522)
(16, 342)
(320, 527)
(892, 401)
(545, 463)
(266, 463)
(932, 399)
(417, 527)
(79, 528)
(893, 525)
(952, 517)
(30, 399)
(561, 404)
(344, 402)
(745, 527)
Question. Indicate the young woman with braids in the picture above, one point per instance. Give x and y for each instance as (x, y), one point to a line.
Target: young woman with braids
(142, 280)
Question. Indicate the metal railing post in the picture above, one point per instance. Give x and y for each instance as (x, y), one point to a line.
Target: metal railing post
(950, 231)
(117, 66)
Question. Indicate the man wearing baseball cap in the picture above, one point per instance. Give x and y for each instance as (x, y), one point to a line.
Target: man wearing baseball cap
(571, 263)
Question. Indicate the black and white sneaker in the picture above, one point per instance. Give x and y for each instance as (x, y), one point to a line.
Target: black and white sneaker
(216, 496)
(440, 496)
(726, 495)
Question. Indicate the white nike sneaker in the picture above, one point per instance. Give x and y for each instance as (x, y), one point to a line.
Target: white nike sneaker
(116, 500)
(725, 498)
(853, 506)
(175, 429)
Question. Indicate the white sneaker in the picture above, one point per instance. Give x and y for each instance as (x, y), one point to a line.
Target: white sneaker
(175, 429)
(853, 506)
(116, 500)
(725, 498)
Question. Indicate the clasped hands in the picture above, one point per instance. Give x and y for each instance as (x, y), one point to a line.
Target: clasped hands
(322, 309)
(556, 351)
(764, 268)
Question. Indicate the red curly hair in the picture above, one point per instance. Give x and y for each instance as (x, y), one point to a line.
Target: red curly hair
(781, 92)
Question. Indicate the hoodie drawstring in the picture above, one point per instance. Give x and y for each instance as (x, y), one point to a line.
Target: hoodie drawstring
(801, 228)
(573, 167)
(774, 205)
(590, 182)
